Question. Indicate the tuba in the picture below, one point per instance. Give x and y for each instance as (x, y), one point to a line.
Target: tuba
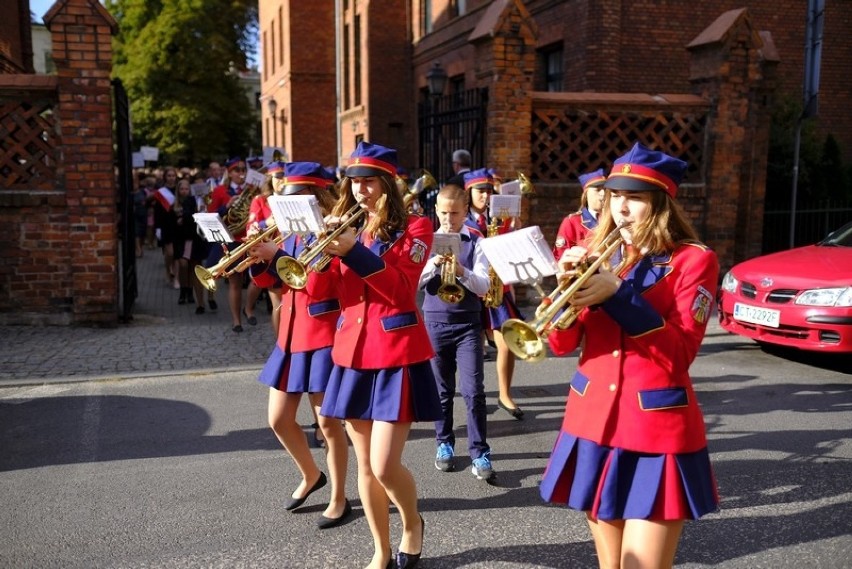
(526, 340)
(237, 215)
(425, 182)
(450, 291)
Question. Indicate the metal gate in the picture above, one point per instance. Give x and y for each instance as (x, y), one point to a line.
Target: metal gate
(127, 223)
(449, 123)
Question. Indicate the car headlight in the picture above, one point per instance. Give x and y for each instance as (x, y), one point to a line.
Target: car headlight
(826, 297)
(730, 282)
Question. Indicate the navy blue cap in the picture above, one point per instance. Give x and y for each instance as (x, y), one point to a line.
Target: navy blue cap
(643, 169)
(594, 179)
(479, 178)
(372, 160)
(299, 176)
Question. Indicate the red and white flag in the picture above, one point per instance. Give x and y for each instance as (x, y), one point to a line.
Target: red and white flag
(165, 197)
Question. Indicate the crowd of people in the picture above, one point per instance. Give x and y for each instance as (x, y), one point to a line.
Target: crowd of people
(351, 338)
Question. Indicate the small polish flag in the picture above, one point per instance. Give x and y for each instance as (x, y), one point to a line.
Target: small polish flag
(165, 197)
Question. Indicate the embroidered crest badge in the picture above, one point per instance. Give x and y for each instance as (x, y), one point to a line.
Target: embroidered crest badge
(701, 305)
(560, 242)
(418, 251)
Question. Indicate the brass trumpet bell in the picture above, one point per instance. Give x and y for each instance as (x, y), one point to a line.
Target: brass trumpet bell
(526, 185)
(522, 339)
(294, 271)
(225, 267)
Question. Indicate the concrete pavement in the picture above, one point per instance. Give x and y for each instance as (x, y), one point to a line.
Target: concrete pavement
(164, 338)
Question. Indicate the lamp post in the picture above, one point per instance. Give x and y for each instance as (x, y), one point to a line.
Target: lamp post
(272, 105)
(436, 80)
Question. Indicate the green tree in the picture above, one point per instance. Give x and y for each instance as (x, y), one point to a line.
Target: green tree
(178, 60)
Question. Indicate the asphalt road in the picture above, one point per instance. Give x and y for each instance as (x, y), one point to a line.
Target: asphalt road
(179, 470)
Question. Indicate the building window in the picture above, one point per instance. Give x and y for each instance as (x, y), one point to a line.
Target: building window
(265, 58)
(425, 17)
(280, 35)
(551, 64)
(346, 67)
(272, 51)
(357, 59)
(457, 8)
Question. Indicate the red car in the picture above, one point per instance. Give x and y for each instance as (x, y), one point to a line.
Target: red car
(801, 298)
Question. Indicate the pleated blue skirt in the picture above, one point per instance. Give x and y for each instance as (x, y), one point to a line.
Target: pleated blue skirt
(617, 484)
(399, 394)
(302, 372)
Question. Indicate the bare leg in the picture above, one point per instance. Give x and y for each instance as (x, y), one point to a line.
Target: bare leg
(282, 420)
(337, 456)
(235, 297)
(252, 294)
(168, 261)
(197, 287)
(275, 298)
(649, 544)
(372, 493)
(608, 537)
(505, 370)
(388, 442)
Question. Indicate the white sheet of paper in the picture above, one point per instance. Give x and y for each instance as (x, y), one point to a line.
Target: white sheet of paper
(150, 153)
(199, 189)
(512, 188)
(254, 178)
(270, 153)
(138, 160)
(298, 214)
(211, 227)
(521, 256)
(504, 207)
(446, 243)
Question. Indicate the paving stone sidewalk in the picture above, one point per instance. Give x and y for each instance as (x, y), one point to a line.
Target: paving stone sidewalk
(164, 338)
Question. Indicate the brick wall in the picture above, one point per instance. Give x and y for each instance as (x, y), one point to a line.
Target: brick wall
(62, 265)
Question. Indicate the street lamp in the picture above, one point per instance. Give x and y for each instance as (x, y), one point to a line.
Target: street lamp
(436, 80)
(272, 105)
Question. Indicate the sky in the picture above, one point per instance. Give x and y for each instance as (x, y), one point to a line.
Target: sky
(39, 8)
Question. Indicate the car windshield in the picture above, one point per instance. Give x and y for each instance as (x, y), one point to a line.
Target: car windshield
(839, 238)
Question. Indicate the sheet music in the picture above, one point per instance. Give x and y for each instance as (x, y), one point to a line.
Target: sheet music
(299, 214)
(211, 228)
(504, 207)
(199, 189)
(521, 256)
(254, 178)
(446, 243)
(512, 188)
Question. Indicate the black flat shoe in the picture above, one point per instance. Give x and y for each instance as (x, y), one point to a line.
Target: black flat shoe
(326, 523)
(212, 304)
(252, 320)
(237, 328)
(296, 502)
(513, 411)
(409, 560)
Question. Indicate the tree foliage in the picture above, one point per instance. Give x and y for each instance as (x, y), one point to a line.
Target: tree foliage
(178, 60)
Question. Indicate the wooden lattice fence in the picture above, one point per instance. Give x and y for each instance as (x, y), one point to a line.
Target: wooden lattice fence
(578, 135)
(29, 140)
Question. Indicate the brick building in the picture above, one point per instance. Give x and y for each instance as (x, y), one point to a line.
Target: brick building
(610, 59)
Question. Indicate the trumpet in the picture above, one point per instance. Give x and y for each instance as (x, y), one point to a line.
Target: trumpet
(294, 270)
(450, 291)
(226, 265)
(526, 340)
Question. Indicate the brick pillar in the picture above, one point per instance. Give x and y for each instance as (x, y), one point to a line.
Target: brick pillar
(81, 32)
(506, 66)
(734, 67)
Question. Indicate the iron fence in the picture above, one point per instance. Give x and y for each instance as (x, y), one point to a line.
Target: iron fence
(813, 223)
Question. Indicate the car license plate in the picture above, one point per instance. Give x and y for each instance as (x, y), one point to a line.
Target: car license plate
(755, 315)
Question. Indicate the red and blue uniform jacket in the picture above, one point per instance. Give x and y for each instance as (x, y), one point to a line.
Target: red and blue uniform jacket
(573, 231)
(632, 388)
(308, 316)
(381, 326)
(219, 198)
